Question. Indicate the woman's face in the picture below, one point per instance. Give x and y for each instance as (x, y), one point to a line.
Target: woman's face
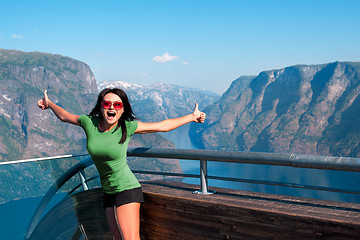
(111, 108)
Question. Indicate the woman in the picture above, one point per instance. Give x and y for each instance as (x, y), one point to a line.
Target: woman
(108, 129)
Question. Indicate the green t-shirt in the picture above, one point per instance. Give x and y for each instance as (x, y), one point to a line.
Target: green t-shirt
(109, 156)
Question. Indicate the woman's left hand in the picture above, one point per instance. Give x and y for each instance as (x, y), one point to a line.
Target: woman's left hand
(198, 115)
(44, 103)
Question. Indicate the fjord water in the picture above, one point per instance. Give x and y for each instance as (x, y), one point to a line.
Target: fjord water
(15, 216)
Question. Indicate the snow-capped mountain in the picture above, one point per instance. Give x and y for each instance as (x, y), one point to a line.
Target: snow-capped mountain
(161, 101)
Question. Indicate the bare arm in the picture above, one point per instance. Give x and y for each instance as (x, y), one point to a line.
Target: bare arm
(62, 114)
(170, 124)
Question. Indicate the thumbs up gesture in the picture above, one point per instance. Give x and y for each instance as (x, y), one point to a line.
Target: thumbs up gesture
(198, 115)
(44, 103)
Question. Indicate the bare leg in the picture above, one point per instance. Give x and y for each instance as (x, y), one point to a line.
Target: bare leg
(112, 222)
(128, 218)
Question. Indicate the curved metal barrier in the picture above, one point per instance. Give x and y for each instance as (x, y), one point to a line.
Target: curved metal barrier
(53, 189)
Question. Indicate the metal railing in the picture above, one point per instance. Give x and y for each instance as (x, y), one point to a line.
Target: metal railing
(42, 159)
(278, 159)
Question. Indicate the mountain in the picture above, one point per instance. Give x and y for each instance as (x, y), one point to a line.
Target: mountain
(162, 101)
(305, 109)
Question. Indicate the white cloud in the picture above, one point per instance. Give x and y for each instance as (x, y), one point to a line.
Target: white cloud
(144, 75)
(16, 36)
(186, 63)
(165, 58)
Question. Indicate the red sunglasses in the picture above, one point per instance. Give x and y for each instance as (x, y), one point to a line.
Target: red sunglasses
(116, 105)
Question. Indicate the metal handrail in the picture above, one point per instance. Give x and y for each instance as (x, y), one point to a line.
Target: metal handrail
(43, 159)
(279, 159)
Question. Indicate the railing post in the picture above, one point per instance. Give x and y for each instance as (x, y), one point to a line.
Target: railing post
(83, 180)
(203, 179)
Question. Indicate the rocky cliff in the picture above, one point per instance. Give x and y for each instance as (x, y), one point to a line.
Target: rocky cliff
(26, 131)
(299, 109)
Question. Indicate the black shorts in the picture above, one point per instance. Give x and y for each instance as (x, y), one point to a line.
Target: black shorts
(124, 197)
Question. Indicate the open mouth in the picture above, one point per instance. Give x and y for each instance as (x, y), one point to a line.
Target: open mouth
(111, 114)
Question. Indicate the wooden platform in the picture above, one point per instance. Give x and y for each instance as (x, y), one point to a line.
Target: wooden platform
(172, 212)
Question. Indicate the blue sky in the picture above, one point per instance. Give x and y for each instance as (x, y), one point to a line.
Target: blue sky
(197, 43)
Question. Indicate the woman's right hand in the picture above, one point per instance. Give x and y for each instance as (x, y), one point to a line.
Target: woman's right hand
(62, 114)
(44, 103)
